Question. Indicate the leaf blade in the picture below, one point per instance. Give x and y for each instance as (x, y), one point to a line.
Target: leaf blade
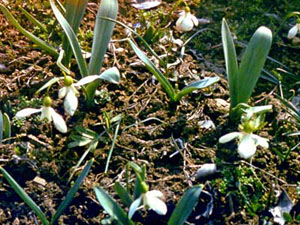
(26, 198)
(72, 192)
(185, 206)
(111, 207)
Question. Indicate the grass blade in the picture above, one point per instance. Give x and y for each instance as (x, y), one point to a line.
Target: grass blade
(102, 34)
(111, 207)
(196, 85)
(112, 146)
(72, 192)
(42, 44)
(17, 188)
(72, 39)
(75, 10)
(231, 63)
(155, 71)
(253, 61)
(185, 206)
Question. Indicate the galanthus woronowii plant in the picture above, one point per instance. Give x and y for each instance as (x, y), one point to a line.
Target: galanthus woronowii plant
(46, 112)
(252, 120)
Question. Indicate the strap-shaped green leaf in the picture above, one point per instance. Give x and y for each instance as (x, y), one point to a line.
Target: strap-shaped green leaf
(42, 44)
(102, 33)
(111, 207)
(72, 192)
(253, 62)
(196, 85)
(185, 206)
(111, 75)
(154, 70)
(75, 10)
(72, 39)
(17, 188)
(231, 63)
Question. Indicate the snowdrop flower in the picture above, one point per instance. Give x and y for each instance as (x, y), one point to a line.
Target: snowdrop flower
(46, 112)
(148, 199)
(247, 142)
(294, 30)
(186, 21)
(70, 93)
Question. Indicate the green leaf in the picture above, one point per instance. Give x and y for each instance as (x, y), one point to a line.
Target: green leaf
(74, 13)
(72, 39)
(6, 126)
(154, 70)
(102, 34)
(231, 63)
(72, 192)
(111, 75)
(185, 206)
(17, 188)
(111, 207)
(123, 194)
(42, 44)
(253, 62)
(196, 85)
(34, 20)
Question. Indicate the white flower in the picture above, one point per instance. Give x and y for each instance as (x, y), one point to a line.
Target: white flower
(46, 112)
(294, 30)
(151, 200)
(186, 21)
(70, 93)
(247, 142)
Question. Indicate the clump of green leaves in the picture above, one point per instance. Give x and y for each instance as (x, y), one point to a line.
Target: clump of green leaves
(242, 78)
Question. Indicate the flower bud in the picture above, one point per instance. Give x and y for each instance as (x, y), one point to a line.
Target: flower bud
(47, 101)
(68, 81)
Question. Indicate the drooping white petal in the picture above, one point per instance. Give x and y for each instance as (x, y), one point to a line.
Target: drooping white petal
(76, 92)
(134, 206)
(62, 92)
(27, 112)
(186, 25)
(263, 142)
(247, 146)
(46, 113)
(180, 19)
(70, 102)
(154, 193)
(86, 80)
(58, 121)
(155, 203)
(194, 19)
(293, 32)
(229, 137)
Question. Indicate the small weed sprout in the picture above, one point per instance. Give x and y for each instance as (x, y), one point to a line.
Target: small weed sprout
(252, 120)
